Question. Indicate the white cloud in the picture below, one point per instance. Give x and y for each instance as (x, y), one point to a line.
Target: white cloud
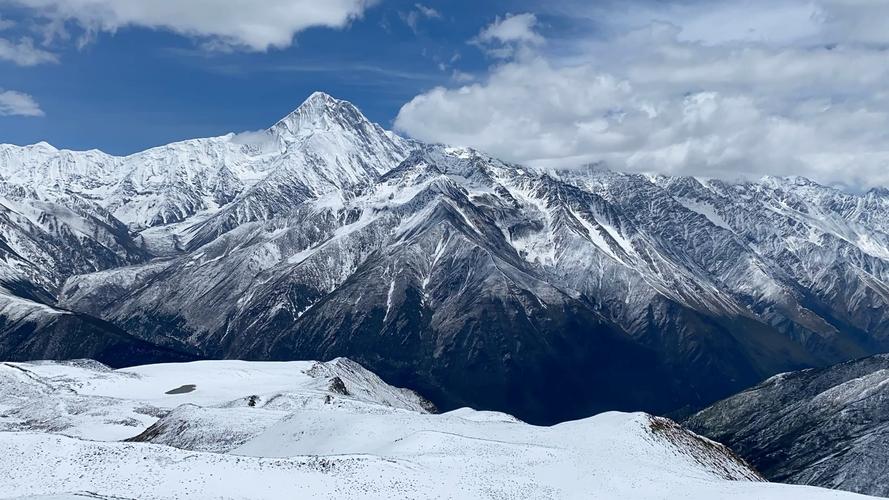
(514, 28)
(245, 24)
(724, 21)
(862, 21)
(720, 21)
(24, 53)
(461, 76)
(259, 139)
(413, 17)
(5, 24)
(13, 103)
(428, 12)
(662, 97)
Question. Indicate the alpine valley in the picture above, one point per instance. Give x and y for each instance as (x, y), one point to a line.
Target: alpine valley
(550, 295)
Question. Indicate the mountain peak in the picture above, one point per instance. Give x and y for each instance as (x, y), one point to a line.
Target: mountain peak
(320, 111)
(320, 97)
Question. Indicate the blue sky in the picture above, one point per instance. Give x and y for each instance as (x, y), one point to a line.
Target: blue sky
(140, 87)
(715, 88)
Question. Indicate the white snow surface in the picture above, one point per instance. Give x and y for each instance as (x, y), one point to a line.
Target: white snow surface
(324, 145)
(327, 430)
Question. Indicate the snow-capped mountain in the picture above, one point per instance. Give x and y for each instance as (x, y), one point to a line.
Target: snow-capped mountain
(548, 294)
(257, 430)
(64, 213)
(827, 427)
(324, 145)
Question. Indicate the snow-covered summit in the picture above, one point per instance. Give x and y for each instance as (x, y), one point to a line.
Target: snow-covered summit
(319, 111)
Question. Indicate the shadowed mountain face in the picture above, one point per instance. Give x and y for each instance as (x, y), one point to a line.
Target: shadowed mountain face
(825, 427)
(54, 334)
(550, 295)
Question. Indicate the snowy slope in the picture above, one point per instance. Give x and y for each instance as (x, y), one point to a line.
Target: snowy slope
(325, 430)
(324, 144)
(88, 400)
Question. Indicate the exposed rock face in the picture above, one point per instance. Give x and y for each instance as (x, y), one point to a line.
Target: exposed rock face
(825, 427)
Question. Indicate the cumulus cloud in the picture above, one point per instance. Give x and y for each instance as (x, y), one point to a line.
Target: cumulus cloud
(663, 96)
(513, 28)
(14, 103)
(244, 24)
(24, 53)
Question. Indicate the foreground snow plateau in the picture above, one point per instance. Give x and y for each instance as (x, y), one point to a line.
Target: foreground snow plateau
(234, 429)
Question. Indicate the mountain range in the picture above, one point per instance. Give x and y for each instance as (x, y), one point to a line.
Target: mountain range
(548, 294)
